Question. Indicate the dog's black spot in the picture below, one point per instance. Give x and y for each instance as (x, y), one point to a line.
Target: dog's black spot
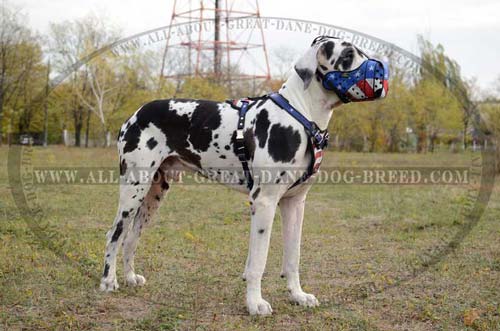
(164, 185)
(136, 183)
(304, 74)
(283, 143)
(216, 145)
(256, 193)
(346, 44)
(328, 49)
(261, 127)
(153, 164)
(123, 167)
(131, 138)
(227, 147)
(261, 231)
(158, 176)
(205, 119)
(175, 127)
(222, 156)
(216, 136)
(323, 67)
(249, 141)
(134, 196)
(125, 214)
(151, 143)
(118, 231)
(106, 270)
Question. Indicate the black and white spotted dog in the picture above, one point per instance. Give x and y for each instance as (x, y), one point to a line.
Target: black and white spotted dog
(199, 135)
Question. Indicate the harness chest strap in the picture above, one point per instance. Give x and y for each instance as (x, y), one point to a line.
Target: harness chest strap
(318, 138)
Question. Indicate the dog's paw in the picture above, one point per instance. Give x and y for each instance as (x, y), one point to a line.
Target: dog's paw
(259, 307)
(304, 299)
(109, 285)
(135, 280)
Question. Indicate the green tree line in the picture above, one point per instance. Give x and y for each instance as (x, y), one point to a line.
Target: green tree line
(424, 110)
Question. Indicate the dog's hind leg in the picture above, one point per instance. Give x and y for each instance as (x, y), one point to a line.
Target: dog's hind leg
(131, 197)
(151, 202)
(292, 215)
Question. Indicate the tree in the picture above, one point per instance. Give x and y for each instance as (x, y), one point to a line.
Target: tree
(19, 56)
(202, 88)
(489, 110)
(442, 97)
(71, 41)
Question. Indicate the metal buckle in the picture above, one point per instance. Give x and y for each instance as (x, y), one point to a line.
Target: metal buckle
(318, 137)
(239, 134)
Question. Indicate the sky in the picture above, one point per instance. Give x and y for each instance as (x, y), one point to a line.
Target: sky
(468, 30)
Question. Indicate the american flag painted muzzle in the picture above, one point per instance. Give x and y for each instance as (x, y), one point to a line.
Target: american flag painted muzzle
(368, 82)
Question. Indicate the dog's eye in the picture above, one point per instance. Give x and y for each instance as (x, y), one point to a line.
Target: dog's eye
(349, 55)
(347, 59)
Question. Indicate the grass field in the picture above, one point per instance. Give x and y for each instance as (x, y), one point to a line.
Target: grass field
(363, 256)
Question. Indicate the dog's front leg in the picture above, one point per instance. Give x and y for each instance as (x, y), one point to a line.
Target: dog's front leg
(263, 210)
(292, 214)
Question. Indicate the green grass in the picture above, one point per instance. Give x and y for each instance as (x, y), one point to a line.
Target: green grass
(362, 255)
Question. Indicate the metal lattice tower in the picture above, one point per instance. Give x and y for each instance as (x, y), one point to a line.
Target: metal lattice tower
(217, 44)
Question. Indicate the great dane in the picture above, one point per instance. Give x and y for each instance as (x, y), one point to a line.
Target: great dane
(202, 136)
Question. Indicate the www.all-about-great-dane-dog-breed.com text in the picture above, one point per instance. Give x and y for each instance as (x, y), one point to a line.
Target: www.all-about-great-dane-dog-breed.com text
(279, 131)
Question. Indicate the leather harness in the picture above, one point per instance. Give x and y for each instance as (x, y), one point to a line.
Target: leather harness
(317, 138)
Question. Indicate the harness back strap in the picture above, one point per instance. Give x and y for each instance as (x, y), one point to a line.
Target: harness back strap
(240, 144)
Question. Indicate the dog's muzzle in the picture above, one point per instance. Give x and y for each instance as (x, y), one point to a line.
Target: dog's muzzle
(368, 82)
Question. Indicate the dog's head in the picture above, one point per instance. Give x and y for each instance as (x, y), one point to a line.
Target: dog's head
(343, 68)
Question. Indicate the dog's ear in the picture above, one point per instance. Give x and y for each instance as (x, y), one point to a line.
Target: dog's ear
(307, 64)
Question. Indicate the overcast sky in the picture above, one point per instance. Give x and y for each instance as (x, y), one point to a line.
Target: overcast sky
(469, 30)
